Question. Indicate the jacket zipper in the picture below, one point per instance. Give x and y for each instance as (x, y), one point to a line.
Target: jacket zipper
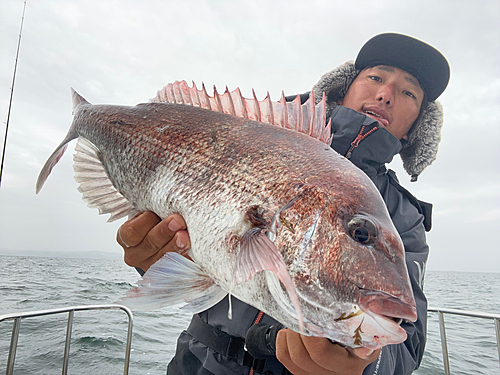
(359, 138)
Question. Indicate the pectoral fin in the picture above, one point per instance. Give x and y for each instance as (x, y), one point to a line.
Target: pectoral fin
(259, 253)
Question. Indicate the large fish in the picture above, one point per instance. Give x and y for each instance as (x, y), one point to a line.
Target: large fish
(276, 217)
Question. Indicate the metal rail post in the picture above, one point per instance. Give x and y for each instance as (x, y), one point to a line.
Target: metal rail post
(497, 329)
(67, 343)
(444, 343)
(13, 346)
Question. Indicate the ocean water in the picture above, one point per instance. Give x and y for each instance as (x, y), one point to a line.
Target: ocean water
(98, 337)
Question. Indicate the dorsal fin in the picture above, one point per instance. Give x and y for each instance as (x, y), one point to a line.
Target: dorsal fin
(307, 118)
(77, 99)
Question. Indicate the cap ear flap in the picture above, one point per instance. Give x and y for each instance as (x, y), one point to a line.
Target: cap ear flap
(423, 140)
(335, 84)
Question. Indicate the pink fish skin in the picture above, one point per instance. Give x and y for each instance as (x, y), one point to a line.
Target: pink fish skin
(276, 217)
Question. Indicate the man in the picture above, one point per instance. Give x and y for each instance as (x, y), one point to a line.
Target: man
(381, 105)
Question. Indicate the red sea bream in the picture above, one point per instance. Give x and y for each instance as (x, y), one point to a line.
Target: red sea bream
(276, 217)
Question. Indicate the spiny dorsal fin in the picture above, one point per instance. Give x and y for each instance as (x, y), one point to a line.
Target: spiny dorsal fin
(307, 118)
(77, 99)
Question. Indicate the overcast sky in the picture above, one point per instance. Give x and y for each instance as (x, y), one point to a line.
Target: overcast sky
(122, 52)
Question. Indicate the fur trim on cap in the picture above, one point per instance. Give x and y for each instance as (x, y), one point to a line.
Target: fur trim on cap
(424, 136)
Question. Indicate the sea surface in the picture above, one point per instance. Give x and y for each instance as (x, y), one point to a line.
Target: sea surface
(98, 337)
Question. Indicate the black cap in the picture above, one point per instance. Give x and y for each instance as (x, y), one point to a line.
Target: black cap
(421, 60)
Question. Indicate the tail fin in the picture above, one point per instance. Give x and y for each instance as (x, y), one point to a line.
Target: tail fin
(50, 163)
(59, 152)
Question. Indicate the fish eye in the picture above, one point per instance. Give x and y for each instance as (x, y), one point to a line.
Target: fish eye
(362, 230)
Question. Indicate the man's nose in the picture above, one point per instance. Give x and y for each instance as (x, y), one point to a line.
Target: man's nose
(386, 94)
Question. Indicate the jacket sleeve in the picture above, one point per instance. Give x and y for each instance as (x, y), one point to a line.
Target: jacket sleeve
(370, 147)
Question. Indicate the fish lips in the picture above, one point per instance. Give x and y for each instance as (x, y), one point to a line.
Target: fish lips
(377, 302)
(379, 273)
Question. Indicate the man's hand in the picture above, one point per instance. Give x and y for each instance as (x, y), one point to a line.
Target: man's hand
(146, 238)
(303, 355)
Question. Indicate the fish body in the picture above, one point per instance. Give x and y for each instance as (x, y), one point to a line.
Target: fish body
(276, 217)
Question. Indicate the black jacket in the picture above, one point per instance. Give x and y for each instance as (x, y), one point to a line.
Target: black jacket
(411, 219)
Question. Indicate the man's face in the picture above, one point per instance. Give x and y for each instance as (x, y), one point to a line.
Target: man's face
(387, 94)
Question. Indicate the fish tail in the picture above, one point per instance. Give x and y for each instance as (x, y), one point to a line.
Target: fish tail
(52, 161)
(78, 100)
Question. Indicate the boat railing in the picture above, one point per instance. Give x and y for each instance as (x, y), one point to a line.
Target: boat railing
(442, 329)
(16, 317)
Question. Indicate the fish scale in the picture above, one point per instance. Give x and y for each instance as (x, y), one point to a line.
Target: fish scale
(271, 210)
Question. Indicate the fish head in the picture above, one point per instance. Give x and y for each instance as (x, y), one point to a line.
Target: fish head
(373, 259)
(348, 265)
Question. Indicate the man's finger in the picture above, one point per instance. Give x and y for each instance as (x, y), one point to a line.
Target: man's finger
(282, 353)
(299, 353)
(179, 244)
(161, 235)
(133, 231)
(291, 352)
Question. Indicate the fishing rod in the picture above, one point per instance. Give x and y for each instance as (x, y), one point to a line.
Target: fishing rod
(11, 94)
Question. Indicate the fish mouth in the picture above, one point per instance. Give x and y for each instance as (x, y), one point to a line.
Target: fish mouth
(376, 330)
(391, 319)
(387, 306)
(396, 320)
(378, 115)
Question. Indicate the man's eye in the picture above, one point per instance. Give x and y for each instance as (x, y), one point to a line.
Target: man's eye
(410, 94)
(375, 78)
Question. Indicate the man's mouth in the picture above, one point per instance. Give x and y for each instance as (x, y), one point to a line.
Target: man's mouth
(382, 120)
